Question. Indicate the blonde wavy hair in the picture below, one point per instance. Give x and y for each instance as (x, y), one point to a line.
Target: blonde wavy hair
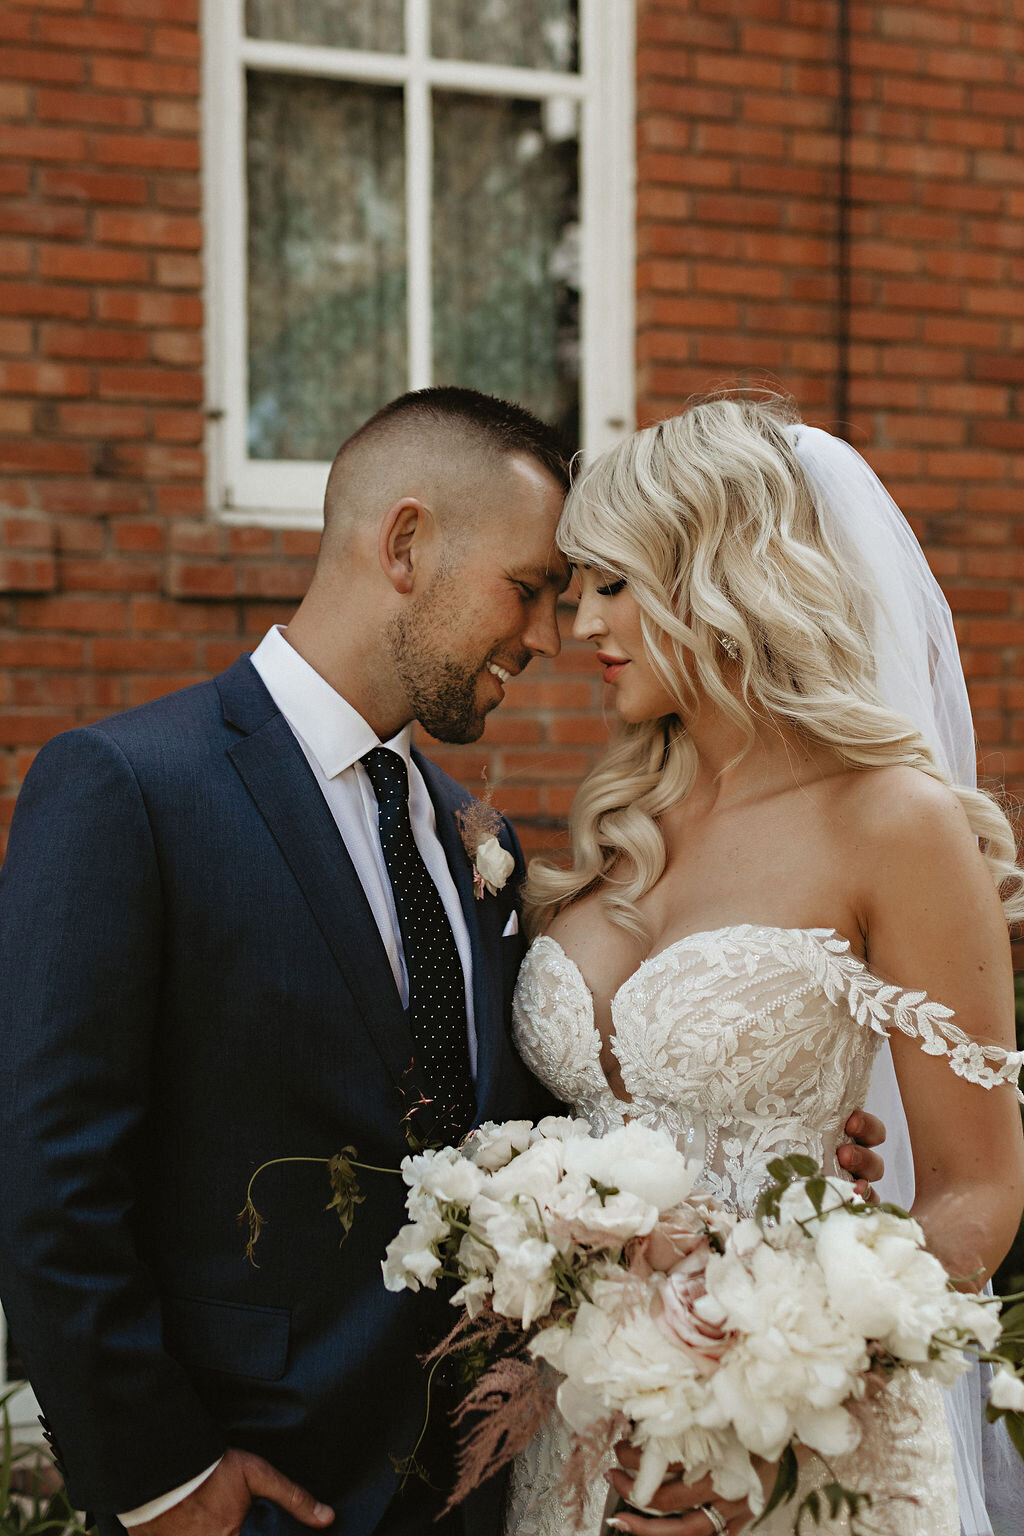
(710, 520)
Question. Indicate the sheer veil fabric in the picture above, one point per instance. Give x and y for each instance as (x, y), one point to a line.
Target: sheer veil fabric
(919, 675)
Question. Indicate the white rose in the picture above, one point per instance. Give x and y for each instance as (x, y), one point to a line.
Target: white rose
(494, 864)
(492, 1145)
(1007, 1390)
(410, 1260)
(636, 1160)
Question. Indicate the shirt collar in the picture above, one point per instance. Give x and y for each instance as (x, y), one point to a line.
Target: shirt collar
(335, 733)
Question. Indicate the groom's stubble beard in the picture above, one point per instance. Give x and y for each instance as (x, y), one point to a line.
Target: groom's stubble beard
(442, 692)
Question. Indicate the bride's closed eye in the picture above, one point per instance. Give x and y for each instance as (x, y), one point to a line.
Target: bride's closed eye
(612, 587)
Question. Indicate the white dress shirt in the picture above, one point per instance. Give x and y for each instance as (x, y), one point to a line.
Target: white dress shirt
(334, 736)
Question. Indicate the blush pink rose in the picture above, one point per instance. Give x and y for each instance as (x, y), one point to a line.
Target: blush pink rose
(678, 1294)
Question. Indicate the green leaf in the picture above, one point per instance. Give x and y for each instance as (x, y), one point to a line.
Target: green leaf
(816, 1191)
(603, 1190)
(345, 1185)
(811, 1505)
(1015, 1429)
(803, 1167)
(785, 1485)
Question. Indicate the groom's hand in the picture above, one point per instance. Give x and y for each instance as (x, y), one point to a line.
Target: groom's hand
(221, 1503)
(857, 1157)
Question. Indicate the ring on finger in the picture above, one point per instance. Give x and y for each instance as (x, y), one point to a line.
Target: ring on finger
(718, 1523)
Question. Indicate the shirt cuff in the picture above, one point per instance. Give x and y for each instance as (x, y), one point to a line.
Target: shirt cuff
(166, 1501)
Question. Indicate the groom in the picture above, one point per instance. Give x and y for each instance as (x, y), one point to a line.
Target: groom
(241, 924)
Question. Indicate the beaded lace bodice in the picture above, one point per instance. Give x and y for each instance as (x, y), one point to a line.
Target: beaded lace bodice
(747, 1043)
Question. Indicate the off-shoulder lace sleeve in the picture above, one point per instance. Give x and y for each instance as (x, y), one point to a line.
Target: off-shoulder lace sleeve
(883, 1007)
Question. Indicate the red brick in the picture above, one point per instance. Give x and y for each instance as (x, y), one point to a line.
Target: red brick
(143, 655)
(33, 729)
(191, 578)
(149, 230)
(142, 308)
(138, 538)
(42, 64)
(148, 384)
(31, 378)
(85, 264)
(92, 419)
(27, 573)
(78, 107)
(156, 151)
(153, 461)
(48, 458)
(31, 143)
(181, 350)
(77, 615)
(110, 575)
(94, 186)
(146, 76)
(90, 35)
(93, 343)
(15, 102)
(174, 115)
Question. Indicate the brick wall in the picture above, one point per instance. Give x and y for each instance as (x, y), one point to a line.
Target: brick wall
(116, 587)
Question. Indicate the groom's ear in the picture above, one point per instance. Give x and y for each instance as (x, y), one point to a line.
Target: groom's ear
(407, 534)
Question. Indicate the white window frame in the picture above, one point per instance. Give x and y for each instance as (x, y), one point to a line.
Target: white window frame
(23, 1408)
(290, 494)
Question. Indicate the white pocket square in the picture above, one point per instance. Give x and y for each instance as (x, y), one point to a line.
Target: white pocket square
(511, 927)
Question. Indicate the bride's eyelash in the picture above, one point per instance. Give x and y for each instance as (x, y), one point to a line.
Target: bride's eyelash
(612, 588)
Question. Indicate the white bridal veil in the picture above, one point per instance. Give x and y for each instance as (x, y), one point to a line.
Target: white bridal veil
(920, 676)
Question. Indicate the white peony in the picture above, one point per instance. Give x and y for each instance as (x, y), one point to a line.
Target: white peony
(410, 1260)
(562, 1127)
(535, 1173)
(1007, 1390)
(882, 1282)
(493, 864)
(796, 1363)
(492, 1145)
(637, 1161)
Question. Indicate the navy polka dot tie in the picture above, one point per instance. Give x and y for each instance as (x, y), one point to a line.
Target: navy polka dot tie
(437, 997)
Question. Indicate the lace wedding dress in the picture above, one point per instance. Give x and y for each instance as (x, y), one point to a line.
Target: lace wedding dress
(748, 1043)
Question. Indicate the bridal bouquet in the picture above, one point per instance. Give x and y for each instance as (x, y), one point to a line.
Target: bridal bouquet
(705, 1338)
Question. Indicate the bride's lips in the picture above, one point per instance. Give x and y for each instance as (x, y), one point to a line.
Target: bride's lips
(613, 665)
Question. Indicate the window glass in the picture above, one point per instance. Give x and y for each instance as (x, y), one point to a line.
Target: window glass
(376, 24)
(539, 34)
(326, 261)
(505, 247)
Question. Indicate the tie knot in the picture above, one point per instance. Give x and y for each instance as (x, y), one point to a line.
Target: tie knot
(388, 774)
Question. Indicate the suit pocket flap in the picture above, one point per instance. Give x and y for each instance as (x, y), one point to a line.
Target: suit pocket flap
(226, 1336)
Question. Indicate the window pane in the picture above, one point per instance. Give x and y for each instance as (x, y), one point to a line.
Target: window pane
(327, 328)
(506, 287)
(376, 24)
(540, 34)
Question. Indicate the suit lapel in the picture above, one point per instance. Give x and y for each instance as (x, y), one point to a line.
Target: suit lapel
(274, 769)
(481, 921)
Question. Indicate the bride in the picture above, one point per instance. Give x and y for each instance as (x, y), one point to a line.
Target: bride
(785, 826)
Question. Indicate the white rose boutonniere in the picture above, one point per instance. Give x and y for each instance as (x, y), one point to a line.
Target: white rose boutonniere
(479, 825)
(491, 867)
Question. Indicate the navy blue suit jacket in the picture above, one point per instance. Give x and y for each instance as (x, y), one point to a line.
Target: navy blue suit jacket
(191, 983)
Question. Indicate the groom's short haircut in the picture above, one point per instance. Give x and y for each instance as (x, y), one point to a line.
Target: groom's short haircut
(445, 431)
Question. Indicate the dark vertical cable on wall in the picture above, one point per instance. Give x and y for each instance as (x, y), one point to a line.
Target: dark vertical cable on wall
(842, 394)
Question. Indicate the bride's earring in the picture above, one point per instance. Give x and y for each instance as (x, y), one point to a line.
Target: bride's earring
(730, 647)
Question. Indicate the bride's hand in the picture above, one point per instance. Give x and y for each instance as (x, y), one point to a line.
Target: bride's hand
(857, 1156)
(684, 1509)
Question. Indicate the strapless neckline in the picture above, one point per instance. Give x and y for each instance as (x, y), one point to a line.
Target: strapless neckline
(692, 939)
